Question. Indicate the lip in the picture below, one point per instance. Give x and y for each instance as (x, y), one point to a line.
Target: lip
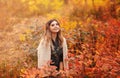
(56, 29)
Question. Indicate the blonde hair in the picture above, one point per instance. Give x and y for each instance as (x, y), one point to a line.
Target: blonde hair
(48, 34)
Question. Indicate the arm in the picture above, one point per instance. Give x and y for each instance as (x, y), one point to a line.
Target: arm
(43, 53)
(65, 54)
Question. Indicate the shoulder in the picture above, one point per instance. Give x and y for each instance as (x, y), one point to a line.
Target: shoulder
(64, 39)
(42, 42)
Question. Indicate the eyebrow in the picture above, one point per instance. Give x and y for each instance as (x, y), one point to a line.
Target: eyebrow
(54, 23)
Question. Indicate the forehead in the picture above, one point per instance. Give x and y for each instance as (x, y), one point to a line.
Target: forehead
(54, 22)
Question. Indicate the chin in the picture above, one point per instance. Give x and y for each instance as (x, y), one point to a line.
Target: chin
(55, 32)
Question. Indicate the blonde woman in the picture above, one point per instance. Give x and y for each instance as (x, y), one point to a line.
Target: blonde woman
(53, 47)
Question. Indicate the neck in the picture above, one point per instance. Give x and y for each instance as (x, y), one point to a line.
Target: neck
(54, 35)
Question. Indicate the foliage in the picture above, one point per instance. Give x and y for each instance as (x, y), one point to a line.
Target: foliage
(93, 37)
(93, 51)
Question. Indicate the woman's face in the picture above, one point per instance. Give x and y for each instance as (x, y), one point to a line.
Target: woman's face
(54, 27)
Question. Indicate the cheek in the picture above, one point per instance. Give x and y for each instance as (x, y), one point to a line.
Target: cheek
(51, 28)
(59, 27)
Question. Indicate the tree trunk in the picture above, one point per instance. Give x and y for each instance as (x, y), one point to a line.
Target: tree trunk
(86, 4)
(93, 3)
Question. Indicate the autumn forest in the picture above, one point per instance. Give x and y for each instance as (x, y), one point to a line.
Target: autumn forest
(91, 28)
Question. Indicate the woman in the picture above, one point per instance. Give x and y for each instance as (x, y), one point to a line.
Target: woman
(53, 47)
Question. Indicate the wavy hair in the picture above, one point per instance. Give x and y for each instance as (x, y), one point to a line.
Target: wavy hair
(48, 34)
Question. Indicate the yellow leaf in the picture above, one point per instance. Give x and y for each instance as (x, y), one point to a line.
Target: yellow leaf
(28, 31)
(22, 37)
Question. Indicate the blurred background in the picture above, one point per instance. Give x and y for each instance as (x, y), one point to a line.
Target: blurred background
(91, 27)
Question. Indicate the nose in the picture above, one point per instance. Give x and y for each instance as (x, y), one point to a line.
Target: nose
(56, 25)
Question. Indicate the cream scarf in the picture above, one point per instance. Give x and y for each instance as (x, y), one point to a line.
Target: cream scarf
(44, 54)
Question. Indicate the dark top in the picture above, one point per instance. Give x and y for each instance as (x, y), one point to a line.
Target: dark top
(56, 54)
